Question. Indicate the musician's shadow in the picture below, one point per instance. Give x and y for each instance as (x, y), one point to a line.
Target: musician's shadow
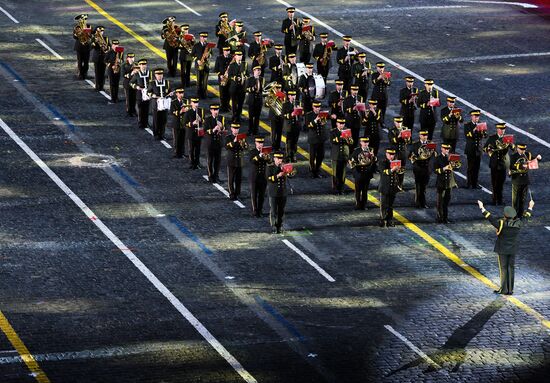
(453, 352)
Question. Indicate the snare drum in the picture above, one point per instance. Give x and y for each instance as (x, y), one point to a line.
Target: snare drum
(320, 88)
(163, 103)
(144, 95)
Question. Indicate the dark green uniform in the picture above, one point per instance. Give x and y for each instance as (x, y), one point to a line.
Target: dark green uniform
(257, 180)
(519, 171)
(316, 137)
(450, 128)
(473, 151)
(159, 89)
(277, 197)
(214, 146)
(372, 122)
(339, 156)
(336, 107)
(444, 184)
(498, 153)
(291, 126)
(235, 162)
(353, 117)
(506, 247)
(380, 92)
(194, 134)
(388, 188)
(421, 171)
(129, 92)
(361, 77)
(400, 146)
(427, 112)
(175, 122)
(408, 107)
(364, 164)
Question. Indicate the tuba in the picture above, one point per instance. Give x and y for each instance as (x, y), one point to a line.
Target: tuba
(171, 35)
(100, 40)
(272, 100)
(225, 28)
(80, 31)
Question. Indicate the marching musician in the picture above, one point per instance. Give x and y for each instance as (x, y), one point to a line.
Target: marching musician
(361, 71)
(222, 31)
(159, 90)
(372, 122)
(129, 68)
(277, 189)
(254, 88)
(452, 119)
(398, 138)
(322, 54)
(291, 124)
(201, 54)
(276, 64)
(276, 122)
(381, 81)
(170, 35)
(235, 160)
(427, 98)
(187, 43)
(345, 56)
(290, 73)
(100, 46)
(254, 51)
(306, 36)
(82, 46)
(519, 172)
(473, 148)
(339, 155)
(352, 115)
(336, 102)
(444, 168)
(407, 98)
(236, 38)
(388, 187)
(497, 150)
(237, 77)
(420, 156)
(214, 126)
(257, 177)
(221, 67)
(317, 136)
(113, 61)
(140, 83)
(363, 162)
(178, 108)
(193, 121)
(306, 86)
(290, 29)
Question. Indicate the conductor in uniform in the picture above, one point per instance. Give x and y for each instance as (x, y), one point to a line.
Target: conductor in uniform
(257, 176)
(277, 190)
(508, 229)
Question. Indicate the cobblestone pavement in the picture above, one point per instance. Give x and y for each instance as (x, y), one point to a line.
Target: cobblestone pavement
(398, 309)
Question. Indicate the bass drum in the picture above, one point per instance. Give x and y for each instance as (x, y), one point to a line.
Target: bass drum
(320, 88)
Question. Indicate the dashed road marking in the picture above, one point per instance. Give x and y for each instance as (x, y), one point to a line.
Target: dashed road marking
(188, 7)
(465, 178)
(474, 59)
(49, 49)
(523, 5)
(308, 260)
(147, 273)
(224, 192)
(412, 346)
(166, 144)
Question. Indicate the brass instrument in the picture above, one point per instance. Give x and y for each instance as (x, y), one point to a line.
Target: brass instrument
(100, 40)
(263, 50)
(365, 158)
(116, 65)
(273, 102)
(225, 77)
(423, 154)
(455, 164)
(308, 33)
(204, 56)
(295, 29)
(225, 28)
(187, 42)
(80, 33)
(501, 145)
(523, 167)
(326, 53)
(171, 35)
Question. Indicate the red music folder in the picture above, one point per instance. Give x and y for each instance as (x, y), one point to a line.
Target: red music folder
(481, 127)
(360, 107)
(534, 164)
(405, 134)
(200, 132)
(241, 136)
(188, 37)
(298, 111)
(287, 168)
(280, 95)
(456, 111)
(434, 102)
(267, 149)
(508, 139)
(454, 157)
(331, 44)
(324, 114)
(211, 45)
(387, 75)
(119, 49)
(431, 145)
(395, 164)
(346, 133)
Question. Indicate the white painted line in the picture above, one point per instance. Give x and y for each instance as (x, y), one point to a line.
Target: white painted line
(485, 58)
(239, 204)
(50, 49)
(416, 75)
(149, 131)
(10, 16)
(90, 82)
(225, 192)
(523, 5)
(482, 187)
(412, 346)
(102, 92)
(178, 305)
(547, 227)
(188, 7)
(166, 144)
(308, 260)
(401, 9)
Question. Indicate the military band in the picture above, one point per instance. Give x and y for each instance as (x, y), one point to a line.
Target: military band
(364, 163)
(399, 139)
(373, 123)
(99, 48)
(257, 177)
(498, 149)
(474, 133)
(444, 168)
(237, 74)
(452, 122)
(193, 121)
(221, 67)
(381, 81)
(159, 91)
(407, 99)
(420, 156)
(292, 111)
(113, 62)
(201, 53)
(235, 147)
(519, 172)
(427, 101)
(340, 151)
(290, 28)
(316, 137)
(129, 69)
(254, 88)
(140, 83)
(277, 189)
(170, 35)
(187, 43)
(388, 187)
(82, 44)
(322, 53)
(345, 56)
(176, 122)
(214, 126)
